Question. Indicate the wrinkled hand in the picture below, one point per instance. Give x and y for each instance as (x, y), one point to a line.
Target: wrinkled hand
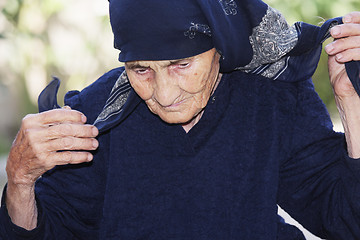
(345, 48)
(47, 139)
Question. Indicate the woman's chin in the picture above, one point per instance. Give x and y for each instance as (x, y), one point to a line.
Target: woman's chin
(175, 118)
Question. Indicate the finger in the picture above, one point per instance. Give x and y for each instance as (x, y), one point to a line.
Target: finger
(59, 116)
(69, 157)
(70, 143)
(69, 129)
(345, 30)
(52, 117)
(348, 55)
(43, 135)
(353, 17)
(343, 44)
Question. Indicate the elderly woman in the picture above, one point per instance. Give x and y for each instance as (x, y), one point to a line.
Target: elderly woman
(212, 123)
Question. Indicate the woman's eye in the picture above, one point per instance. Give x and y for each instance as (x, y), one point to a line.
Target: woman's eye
(142, 71)
(184, 65)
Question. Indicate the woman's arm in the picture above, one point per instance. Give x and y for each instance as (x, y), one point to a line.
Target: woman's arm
(319, 183)
(45, 140)
(345, 48)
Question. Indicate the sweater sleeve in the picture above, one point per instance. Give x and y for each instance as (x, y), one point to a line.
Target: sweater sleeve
(319, 184)
(69, 201)
(70, 197)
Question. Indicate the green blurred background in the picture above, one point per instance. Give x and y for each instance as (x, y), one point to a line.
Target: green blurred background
(72, 40)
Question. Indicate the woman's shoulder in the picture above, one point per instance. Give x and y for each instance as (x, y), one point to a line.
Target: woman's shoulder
(260, 87)
(285, 97)
(92, 99)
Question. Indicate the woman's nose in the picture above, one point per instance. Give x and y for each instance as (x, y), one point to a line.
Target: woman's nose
(166, 90)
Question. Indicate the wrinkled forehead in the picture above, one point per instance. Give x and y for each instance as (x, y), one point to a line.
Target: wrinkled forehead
(208, 56)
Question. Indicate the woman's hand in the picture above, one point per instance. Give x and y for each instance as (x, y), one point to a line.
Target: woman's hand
(47, 139)
(345, 48)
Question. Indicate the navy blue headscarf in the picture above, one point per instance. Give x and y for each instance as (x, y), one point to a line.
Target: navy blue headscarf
(163, 30)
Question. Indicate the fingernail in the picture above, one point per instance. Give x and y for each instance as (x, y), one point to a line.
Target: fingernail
(339, 56)
(335, 31)
(95, 143)
(90, 157)
(83, 118)
(95, 131)
(329, 48)
(347, 19)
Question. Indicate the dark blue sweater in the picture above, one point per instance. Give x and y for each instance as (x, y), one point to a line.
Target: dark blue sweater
(259, 143)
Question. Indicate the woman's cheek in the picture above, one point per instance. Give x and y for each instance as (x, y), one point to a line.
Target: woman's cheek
(193, 83)
(142, 88)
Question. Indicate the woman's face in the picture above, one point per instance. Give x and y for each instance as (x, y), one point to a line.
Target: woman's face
(176, 90)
